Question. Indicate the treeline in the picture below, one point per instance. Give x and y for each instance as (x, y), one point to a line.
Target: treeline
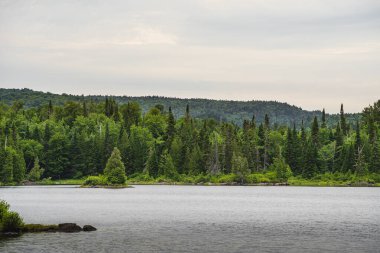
(76, 140)
(227, 111)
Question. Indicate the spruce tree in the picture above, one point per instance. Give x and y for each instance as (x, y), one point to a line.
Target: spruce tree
(6, 174)
(170, 128)
(315, 132)
(343, 124)
(151, 165)
(323, 118)
(358, 141)
(36, 172)
(166, 166)
(115, 170)
(50, 109)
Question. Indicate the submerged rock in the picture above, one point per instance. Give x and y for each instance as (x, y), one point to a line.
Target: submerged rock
(88, 228)
(69, 227)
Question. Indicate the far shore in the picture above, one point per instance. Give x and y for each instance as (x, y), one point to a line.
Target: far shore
(305, 183)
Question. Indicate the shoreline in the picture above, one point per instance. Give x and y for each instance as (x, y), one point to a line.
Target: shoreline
(136, 183)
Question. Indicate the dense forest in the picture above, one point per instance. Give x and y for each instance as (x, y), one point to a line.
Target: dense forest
(76, 139)
(220, 110)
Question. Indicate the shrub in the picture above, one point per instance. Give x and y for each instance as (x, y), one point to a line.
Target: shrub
(227, 178)
(202, 178)
(11, 222)
(95, 180)
(141, 177)
(4, 207)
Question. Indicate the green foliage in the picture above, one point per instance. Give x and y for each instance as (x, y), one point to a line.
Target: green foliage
(167, 168)
(95, 180)
(240, 167)
(174, 140)
(36, 172)
(115, 170)
(281, 169)
(9, 221)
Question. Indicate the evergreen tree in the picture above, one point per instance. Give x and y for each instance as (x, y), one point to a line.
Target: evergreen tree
(343, 124)
(115, 170)
(358, 141)
(323, 118)
(36, 172)
(166, 166)
(151, 166)
(6, 173)
(195, 161)
(240, 167)
(281, 168)
(50, 109)
(315, 132)
(361, 167)
(170, 128)
(374, 165)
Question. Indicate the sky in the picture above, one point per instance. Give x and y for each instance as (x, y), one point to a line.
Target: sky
(313, 54)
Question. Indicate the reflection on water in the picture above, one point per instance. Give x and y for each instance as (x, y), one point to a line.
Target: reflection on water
(199, 219)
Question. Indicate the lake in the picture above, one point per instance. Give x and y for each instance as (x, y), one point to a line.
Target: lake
(155, 218)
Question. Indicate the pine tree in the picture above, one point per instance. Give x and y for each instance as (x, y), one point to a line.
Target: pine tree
(166, 166)
(214, 168)
(36, 172)
(107, 107)
(281, 168)
(124, 146)
(315, 132)
(311, 161)
(18, 166)
(115, 170)
(6, 174)
(289, 149)
(361, 167)
(343, 124)
(228, 147)
(85, 110)
(323, 118)
(358, 141)
(50, 109)
(266, 122)
(374, 165)
(107, 145)
(151, 165)
(195, 161)
(170, 128)
(253, 122)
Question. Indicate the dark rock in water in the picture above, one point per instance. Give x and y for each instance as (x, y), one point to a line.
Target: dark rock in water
(69, 228)
(88, 228)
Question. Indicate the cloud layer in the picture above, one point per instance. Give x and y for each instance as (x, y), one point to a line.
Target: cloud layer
(313, 54)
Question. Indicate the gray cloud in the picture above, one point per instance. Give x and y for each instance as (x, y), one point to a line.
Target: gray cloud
(312, 54)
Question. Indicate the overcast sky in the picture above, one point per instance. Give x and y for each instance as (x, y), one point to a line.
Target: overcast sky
(313, 54)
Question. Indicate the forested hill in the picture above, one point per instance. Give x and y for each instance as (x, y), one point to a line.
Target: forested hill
(231, 111)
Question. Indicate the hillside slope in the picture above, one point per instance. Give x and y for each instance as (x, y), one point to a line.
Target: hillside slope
(235, 111)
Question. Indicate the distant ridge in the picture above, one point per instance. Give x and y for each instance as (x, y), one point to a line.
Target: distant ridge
(225, 110)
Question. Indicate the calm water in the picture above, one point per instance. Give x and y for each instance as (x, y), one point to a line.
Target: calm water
(199, 219)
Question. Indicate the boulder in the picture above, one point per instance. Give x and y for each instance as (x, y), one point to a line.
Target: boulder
(88, 228)
(69, 227)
